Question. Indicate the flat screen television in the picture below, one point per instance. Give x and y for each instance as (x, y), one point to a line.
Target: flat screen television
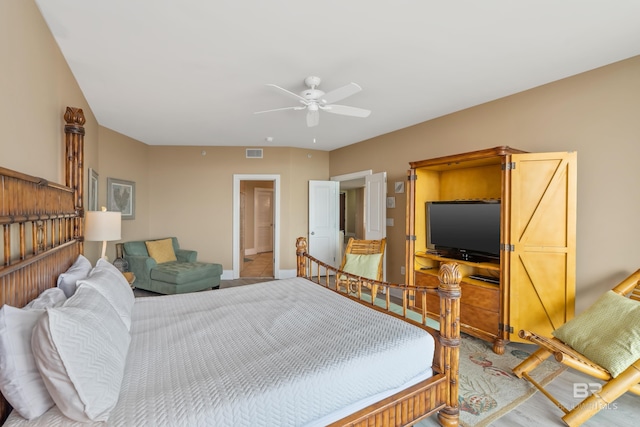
(467, 230)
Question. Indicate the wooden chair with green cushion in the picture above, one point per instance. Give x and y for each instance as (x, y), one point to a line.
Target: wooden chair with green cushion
(365, 259)
(603, 342)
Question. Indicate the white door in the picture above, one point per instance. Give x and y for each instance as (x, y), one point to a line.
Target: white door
(324, 221)
(375, 206)
(263, 211)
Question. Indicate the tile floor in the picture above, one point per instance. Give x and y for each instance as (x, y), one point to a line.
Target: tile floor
(258, 265)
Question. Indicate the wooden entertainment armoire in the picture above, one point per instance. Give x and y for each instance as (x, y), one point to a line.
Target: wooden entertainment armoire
(537, 261)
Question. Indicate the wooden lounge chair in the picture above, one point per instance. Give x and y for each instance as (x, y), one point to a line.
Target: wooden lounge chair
(364, 259)
(616, 383)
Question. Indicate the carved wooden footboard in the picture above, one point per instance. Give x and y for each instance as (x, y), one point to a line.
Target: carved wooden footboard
(436, 394)
(41, 226)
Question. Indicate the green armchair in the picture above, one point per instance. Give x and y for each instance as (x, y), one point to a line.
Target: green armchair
(172, 271)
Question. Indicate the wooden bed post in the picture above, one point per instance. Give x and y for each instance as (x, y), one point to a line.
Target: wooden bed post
(74, 165)
(449, 291)
(301, 249)
(436, 394)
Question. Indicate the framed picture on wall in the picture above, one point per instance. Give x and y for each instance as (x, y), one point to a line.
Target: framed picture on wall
(92, 201)
(121, 197)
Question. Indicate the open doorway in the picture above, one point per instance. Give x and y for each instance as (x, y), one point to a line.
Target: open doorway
(255, 226)
(352, 209)
(362, 207)
(256, 229)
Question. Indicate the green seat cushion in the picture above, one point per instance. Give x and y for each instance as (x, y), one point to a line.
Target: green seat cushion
(181, 273)
(607, 333)
(362, 265)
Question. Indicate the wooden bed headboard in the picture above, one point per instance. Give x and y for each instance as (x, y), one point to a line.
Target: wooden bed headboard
(42, 225)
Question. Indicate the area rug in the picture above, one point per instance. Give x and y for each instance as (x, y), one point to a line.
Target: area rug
(488, 387)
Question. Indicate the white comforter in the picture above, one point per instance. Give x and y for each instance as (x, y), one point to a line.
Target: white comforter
(281, 353)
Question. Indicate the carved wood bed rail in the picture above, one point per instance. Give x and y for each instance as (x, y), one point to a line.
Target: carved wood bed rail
(440, 392)
(42, 229)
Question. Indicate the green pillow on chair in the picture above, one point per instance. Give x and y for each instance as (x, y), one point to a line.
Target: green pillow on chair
(362, 265)
(607, 333)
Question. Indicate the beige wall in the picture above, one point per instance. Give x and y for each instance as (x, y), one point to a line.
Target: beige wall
(594, 113)
(36, 86)
(191, 195)
(124, 158)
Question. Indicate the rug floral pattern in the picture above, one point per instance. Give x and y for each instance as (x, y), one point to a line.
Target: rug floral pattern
(488, 387)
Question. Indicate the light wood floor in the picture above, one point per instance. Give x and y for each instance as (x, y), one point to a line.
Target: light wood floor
(258, 265)
(539, 411)
(244, 281)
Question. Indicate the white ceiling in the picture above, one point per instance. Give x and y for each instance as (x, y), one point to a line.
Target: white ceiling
(193, 72)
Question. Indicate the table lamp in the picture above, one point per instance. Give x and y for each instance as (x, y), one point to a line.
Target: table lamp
(102, 226)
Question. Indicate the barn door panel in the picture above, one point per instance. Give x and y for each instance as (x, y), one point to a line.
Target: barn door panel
(542, 247)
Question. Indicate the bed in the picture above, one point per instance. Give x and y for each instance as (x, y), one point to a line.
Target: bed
(296, 351)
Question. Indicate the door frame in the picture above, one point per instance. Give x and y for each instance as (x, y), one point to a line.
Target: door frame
(237, 178)
(352, 175)
(363, 175)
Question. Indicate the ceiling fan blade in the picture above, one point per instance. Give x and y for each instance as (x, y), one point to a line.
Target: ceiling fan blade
(346, 110)
(288, 92)
(313, 118)
(280, 109)
(340, 93)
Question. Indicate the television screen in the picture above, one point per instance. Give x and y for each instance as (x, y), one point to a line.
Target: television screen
(465, 227)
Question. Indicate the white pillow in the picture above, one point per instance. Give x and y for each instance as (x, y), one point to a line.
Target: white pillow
(80, 350)
(20, 380)
(52, 297)
(79, 270)
(110, 282)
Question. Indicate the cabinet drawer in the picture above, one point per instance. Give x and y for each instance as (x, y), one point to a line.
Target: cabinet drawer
(433, 302)
(471, 317)
(487, 298)
(478, 318)
(431, 282)
(427, 280)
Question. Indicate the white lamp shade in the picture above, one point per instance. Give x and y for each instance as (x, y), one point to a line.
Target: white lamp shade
(102, 226)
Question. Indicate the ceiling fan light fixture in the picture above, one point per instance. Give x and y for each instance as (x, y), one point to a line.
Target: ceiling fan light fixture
(314, 100)
(312, 81)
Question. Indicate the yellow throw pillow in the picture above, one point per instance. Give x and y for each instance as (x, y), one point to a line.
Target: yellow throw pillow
(607, 333)
(363, 265)
(161, 250)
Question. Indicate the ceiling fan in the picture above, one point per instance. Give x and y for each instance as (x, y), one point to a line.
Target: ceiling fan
(314, 100)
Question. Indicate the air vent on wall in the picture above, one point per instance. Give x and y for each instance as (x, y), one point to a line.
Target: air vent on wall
(254, 153)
